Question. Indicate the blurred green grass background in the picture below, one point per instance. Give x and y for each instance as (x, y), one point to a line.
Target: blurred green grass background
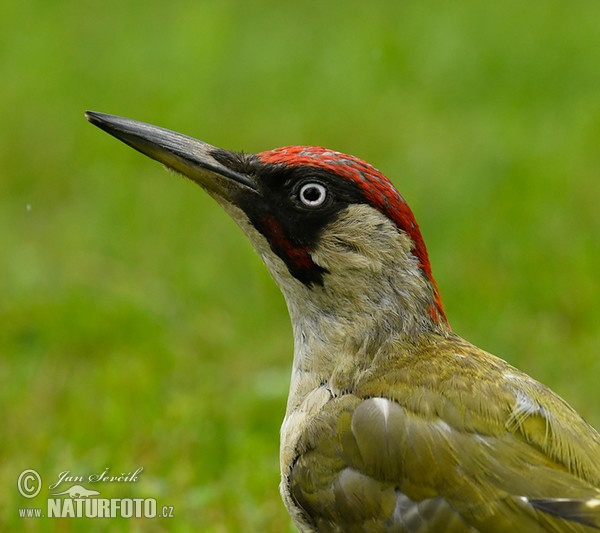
(137, 327)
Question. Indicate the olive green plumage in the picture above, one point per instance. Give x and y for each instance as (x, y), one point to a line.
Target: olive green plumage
(451, 438)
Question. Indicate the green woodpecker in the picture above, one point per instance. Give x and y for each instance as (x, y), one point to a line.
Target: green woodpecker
(393, 422)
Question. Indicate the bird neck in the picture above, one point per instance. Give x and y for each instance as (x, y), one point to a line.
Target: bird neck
(374, 296)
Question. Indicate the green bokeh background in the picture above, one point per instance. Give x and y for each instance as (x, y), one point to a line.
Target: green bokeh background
(138, 328)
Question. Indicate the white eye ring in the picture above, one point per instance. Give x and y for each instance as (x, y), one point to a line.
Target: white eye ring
(313, 194)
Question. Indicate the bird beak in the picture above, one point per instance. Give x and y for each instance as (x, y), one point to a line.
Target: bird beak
(190, 157)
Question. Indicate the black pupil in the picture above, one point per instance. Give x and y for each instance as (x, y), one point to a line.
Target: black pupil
(312, 194)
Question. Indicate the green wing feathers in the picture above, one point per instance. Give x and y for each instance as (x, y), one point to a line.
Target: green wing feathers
(416, 460)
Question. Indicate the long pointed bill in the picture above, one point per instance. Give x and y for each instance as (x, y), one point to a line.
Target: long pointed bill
(190, 157)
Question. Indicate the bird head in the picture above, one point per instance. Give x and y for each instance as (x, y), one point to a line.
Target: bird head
(337, 237)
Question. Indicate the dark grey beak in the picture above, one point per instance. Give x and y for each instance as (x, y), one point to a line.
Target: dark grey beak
(190, 157)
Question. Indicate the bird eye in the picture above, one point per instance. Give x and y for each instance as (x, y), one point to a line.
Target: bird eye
(313, 194)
